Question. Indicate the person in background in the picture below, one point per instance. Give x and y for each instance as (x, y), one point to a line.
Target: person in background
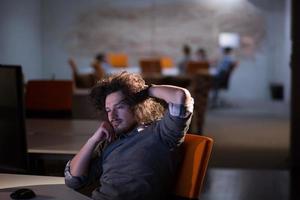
(182, 65)
(201, 55)
(87, 80)
(226, 61)
(101, 59)
(134, 154)
(222, 72)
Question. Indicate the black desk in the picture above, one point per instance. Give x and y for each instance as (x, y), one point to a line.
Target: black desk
(58, 137)
(51, 142)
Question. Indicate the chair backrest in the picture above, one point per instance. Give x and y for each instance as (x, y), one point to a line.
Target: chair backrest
(49, 98)
(150, 66)
(118, 59)
(166, 62)
(84, 81)
(225, 77)
(197, 150)
(194, 67)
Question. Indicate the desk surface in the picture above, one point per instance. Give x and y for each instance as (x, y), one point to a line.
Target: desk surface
(46, 192)
(172, 71)
(16, 180)
(50, 136)
(45, 187)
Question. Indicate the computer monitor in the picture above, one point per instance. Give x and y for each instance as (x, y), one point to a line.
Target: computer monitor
(13, 147)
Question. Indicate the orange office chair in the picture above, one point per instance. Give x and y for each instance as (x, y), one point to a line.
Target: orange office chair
(194, 67)
(48, 98)
(197, 150)
(118, 60)
(166, 62)
(150, 66)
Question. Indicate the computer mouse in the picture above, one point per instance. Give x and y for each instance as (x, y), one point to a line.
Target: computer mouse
(23, 193)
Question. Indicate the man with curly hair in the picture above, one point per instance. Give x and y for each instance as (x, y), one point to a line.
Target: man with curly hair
(135, 152)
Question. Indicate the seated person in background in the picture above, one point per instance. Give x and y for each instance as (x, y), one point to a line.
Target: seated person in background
(134, 154)
(226, 61)
(88, 80)
(223, 71)
(182, 65)
(100, 59)
(201, 55)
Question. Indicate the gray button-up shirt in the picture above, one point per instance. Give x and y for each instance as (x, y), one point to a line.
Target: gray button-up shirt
(142, 164)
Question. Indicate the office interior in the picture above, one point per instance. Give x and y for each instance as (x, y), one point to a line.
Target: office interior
(254, 132)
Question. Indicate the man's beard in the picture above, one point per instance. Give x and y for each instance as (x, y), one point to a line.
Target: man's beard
(124, 130)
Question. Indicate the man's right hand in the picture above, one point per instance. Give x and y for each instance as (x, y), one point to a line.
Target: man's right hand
(104, 132)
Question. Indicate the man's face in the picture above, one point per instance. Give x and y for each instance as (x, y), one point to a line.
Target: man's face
(119, 113)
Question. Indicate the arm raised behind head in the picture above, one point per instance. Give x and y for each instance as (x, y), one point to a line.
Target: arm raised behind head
(170, 94)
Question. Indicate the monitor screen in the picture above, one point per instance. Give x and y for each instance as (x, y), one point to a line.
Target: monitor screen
(13, 148)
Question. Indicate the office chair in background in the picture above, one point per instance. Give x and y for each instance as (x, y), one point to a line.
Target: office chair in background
(49, 98)
(194, 67)
(222, 83)
(118, 60)
(166, 62)
(150, 66)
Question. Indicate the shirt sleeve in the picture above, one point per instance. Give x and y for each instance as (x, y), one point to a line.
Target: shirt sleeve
(182, 110)
(74, 182)
(172, 128)
(94, 172)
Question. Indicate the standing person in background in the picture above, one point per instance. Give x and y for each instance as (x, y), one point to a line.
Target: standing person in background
(182, 65)
(88, 80)
(134, 154)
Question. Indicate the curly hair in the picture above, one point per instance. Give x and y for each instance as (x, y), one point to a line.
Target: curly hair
(129, 84)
